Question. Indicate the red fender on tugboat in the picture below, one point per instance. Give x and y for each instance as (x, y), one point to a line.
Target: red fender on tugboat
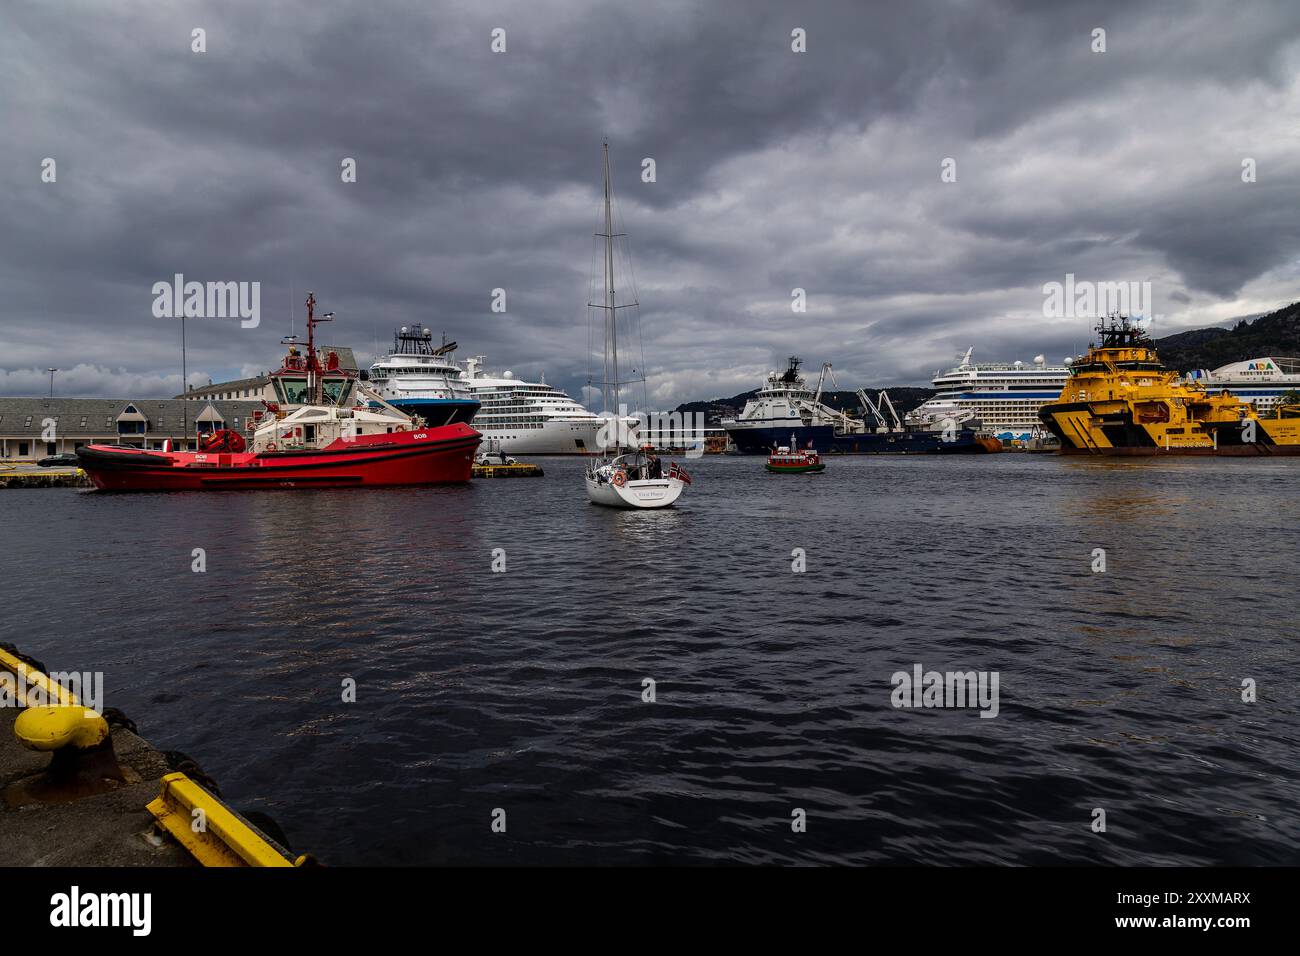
(224, 439)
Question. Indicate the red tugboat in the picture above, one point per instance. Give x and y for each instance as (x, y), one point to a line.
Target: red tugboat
(320, 433)
(797, 461)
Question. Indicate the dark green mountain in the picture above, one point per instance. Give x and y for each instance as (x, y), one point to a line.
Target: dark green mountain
(1276, 334)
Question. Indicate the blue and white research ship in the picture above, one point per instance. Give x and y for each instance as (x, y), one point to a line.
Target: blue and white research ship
(786, 407)
(421, 379)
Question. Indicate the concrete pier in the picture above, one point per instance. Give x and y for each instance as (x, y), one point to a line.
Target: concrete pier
(74, 478)
(81, 788)
(82, 822)
(33, 477)
(519, 470)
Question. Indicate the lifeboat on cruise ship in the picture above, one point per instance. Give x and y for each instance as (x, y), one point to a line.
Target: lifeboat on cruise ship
(321, 433)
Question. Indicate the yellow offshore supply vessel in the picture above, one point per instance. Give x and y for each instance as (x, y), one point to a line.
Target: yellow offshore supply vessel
(1121, 400)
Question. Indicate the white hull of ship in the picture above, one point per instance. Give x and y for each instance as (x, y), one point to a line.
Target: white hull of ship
(556, 437)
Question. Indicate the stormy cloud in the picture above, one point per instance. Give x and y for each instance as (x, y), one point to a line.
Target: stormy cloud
(775, 170)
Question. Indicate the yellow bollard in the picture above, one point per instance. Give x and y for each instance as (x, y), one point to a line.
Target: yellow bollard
(53, 728)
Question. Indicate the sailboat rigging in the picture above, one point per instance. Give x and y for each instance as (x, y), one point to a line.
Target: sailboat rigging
(635, 479)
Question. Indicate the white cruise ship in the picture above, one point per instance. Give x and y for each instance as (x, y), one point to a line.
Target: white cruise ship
(1005, 397)
(530, 418)
(1260, 381)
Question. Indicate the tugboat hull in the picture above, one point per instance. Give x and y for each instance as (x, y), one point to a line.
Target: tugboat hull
(794, 469)
(426, 457)
(1109, 429)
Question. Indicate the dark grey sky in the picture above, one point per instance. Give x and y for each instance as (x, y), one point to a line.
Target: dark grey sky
(776, 169)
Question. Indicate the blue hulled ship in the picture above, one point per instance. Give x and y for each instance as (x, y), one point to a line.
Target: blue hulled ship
(420, 378)
(785, 406)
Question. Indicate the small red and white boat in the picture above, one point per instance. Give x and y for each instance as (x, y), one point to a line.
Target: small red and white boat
(324, 432)
(789, 459)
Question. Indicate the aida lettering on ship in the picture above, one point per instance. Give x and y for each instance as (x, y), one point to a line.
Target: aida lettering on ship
(1263, 382)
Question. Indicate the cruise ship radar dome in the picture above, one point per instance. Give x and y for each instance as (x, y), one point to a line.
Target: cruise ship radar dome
(1040, 359)
(508, 374)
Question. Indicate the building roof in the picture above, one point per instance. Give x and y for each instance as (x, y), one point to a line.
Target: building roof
(101, 413)
(239, 384)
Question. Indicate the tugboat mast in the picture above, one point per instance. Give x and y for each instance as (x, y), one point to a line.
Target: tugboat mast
(315, 376)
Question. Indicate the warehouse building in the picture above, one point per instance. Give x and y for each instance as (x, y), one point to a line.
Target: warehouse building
(32, 428)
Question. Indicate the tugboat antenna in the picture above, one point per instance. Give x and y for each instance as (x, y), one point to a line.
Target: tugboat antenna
(313, 368)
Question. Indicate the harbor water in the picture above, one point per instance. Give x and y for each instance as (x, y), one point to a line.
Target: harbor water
(523, 690)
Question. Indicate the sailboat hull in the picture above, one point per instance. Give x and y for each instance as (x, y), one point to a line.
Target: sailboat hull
(651, 493)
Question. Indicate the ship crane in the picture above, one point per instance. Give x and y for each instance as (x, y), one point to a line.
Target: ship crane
(876, 410)
(885, 402)
(826, 367)
(846, 420)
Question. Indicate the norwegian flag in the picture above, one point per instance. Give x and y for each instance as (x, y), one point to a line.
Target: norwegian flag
(677, 471)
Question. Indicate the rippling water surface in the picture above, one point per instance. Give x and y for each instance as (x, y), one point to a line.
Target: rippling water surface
(523, 690)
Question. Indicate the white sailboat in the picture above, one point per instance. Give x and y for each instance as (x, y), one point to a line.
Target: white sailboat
(635, 479)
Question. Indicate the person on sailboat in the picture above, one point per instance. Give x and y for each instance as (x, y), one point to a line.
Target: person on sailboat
(654, 467)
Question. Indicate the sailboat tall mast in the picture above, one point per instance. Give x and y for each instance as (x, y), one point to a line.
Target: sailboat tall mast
(611, 311)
